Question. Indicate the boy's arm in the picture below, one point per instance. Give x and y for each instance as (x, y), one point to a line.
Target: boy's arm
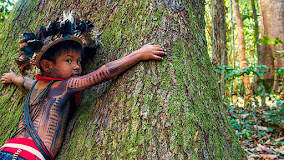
(115, 68)
(12, 77)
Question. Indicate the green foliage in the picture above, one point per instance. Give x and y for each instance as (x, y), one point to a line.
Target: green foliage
(258, 71)
(280, 71)
(266, 41)
(231, 73)
(4, 9)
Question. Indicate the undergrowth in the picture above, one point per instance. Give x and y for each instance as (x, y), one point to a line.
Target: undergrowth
(260, 129)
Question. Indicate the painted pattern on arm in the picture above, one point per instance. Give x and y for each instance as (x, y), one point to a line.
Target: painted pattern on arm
(104, 73)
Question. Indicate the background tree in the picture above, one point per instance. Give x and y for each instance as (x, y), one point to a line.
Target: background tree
(241, 40)
(258, 49)
(219, 40)
(272, 20)
(156, 110)
(256, 32)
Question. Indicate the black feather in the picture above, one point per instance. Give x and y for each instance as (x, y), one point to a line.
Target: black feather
(66, 28)
(27, 37)
(84, 25)
(90, 24)
(53, 28)
(35, 45)
(42, 33)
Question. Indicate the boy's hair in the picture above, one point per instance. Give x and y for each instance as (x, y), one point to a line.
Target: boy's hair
(56, 50)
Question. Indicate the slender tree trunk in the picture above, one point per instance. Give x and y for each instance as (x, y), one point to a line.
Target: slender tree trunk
(256, 33)
(156, 110)
(241, 40)
(234, 84)
(258, 49)
(219, 41)
(272, 22)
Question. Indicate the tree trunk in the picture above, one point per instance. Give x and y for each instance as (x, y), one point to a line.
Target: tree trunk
(241, 40)
(256, 33)
(233, 53)
(272, 22)
(219, 41)
(258, 50)
(156, 110)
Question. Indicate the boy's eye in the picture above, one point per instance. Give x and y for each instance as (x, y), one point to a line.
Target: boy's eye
(79, 62)
(68, 60)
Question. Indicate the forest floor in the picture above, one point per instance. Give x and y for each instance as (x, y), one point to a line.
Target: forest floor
(260, 129)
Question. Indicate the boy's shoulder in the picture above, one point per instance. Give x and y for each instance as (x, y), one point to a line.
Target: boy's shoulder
(57, 86)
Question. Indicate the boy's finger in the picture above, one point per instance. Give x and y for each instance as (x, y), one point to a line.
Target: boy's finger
(160, 53)
(157, 57)
(159, 47)
(156, 46)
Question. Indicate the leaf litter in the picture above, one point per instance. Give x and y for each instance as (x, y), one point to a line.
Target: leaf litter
(260, 129)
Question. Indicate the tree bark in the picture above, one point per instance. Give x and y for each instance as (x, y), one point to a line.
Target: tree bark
(272, 22)
(256, 33)
(219, 41)
(258, 50)
(241, 40)
(234, 54)
(156, 110)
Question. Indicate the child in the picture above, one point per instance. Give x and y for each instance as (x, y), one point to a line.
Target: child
(41, 130)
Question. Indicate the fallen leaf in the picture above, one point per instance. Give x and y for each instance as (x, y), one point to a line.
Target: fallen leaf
(279, 139)
(268, 142)
(260, 128)
(264, 148)
(280, 150)
(264, 138)
(196, 134)
(268, 156)
(253, 156)
(244, 116)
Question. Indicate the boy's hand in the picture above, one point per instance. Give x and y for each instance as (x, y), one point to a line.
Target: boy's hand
(150, 51)
(12, 77)
(8, 77)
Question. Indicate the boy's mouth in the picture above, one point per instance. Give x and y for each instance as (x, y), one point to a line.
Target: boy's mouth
(75, 75)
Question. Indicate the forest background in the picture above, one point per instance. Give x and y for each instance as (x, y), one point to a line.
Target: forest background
(245, 43)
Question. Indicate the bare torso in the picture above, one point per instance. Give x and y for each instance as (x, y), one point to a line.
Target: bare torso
(51, 121)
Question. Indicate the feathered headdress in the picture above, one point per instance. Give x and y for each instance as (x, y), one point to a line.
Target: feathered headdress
(33, 46)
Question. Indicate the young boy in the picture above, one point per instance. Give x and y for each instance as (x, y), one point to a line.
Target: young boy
(42, 126)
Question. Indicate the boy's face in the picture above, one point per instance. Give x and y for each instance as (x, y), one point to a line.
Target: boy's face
(67, 65)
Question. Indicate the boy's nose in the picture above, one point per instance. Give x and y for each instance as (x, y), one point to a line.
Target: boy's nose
(77, 66)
